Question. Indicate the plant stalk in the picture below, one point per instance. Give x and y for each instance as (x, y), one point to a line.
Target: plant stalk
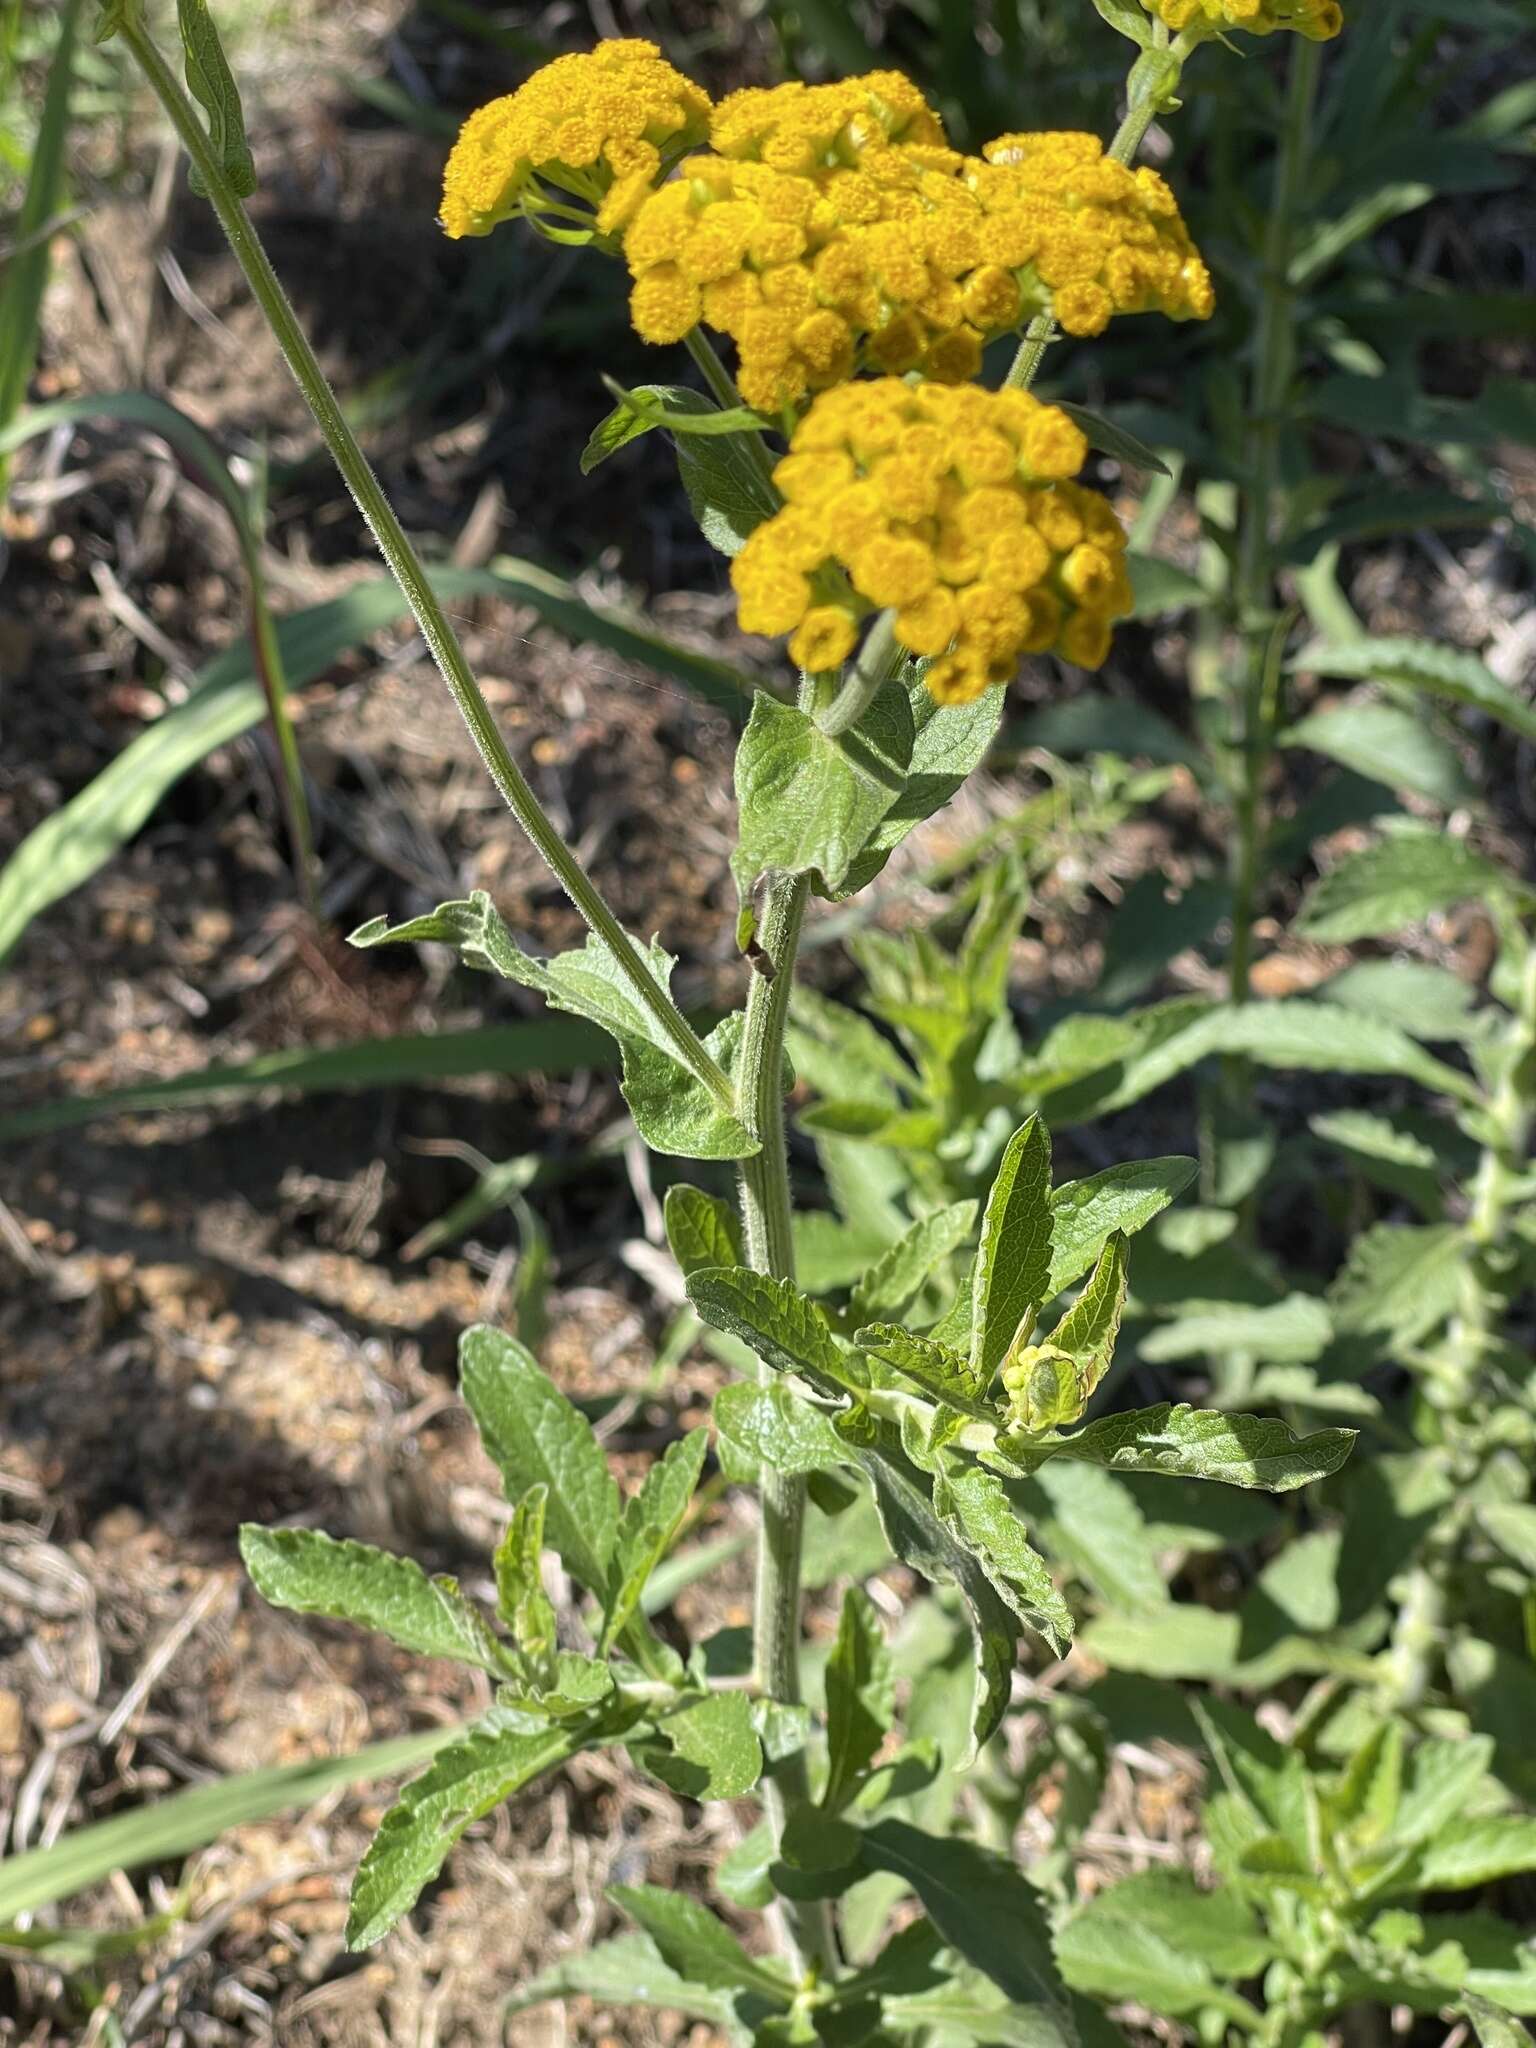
(1152, 80)
(766, 1216)
(879, 659)
(1253, 581)
(406, 567)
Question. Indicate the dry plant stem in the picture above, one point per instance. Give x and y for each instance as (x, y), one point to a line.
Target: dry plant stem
(769, 1245)
(405, 565)
(1253, 583)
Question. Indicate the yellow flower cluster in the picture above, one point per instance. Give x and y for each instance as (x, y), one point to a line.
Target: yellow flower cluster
(601, 126)
(953, 506)
(1318, 20)
(834, 230)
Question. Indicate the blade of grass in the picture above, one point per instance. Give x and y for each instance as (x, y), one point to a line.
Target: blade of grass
(189, 1820)
(542, 1045)
(26, 271)
(208, 469)
(69, 847)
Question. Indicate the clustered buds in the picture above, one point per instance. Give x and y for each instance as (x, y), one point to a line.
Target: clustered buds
(1318, 20)
(599, 127)
(953, 506)
(840, 242)
(834, 231)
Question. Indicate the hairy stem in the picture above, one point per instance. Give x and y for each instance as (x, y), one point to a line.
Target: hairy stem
(879, 659)
(766, 1220)
(405, 565)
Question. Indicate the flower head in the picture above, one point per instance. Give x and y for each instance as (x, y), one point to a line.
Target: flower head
(954, 506)
(830, 242)
(1088, 237)
(600, 126)
(1318, 20)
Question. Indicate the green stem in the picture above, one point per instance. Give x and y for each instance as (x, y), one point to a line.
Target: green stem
(1148, 90)
(769, 1244)
(405, 565)
(722, 387)
(1253, 581)
(879, 659)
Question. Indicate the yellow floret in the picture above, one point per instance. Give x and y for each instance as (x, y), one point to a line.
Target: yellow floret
(884, 490)
(593, 126)
(1319, 20)
(824, 639)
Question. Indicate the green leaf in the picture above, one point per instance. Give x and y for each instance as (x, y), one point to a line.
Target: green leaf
(1161, 1941)
(951, 741)
(1293, 1331)
(1399, 1281)
(1101, 433)
(520, 1596)
(693, 1943)
(1395, 1158)
(883, 1290)
(1443, 1777)
(701, 1229)
(918, 1537)
(673, 1110)
(1389, 745)
(773, 1426)
(1199, 1443)
(536, 1438)
(73, 842)
(782, 1327)
(1469, 1853)
(212, 85)
(1129, 18)
(716, 1753)
(861, 1698)
(1013, 1262)
(1158, 587)
(1091, 1521)
(626, 1971)
(671, 406)
(466, 1780)
(809, 804)
(28, 230)
(1425, 666)
(1088, 1330)
(1511, 1525)
(943, 1374)
(1085, 1213)
(976, 1509)
(1494, 2027)
(1395, 883)
(648, 1528)
(175, 1826)
(981, 1905)
(310, 1573)
(1430, 1003)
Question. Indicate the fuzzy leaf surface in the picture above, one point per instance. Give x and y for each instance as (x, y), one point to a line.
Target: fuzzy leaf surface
(1013, 1262)
(861, 1697)
(1197, 1443)
(464, 1782)
(311, 1573)
(771, 1425)
(648, 1527)
(535, 1437)
(1084, 1213)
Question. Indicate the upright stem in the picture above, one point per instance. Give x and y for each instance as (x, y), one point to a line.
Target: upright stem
(766, 1219)
(879, 659)
(722, 387)
(1253, 582)
(405, 565)
(269, 666)
(1152, 80)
